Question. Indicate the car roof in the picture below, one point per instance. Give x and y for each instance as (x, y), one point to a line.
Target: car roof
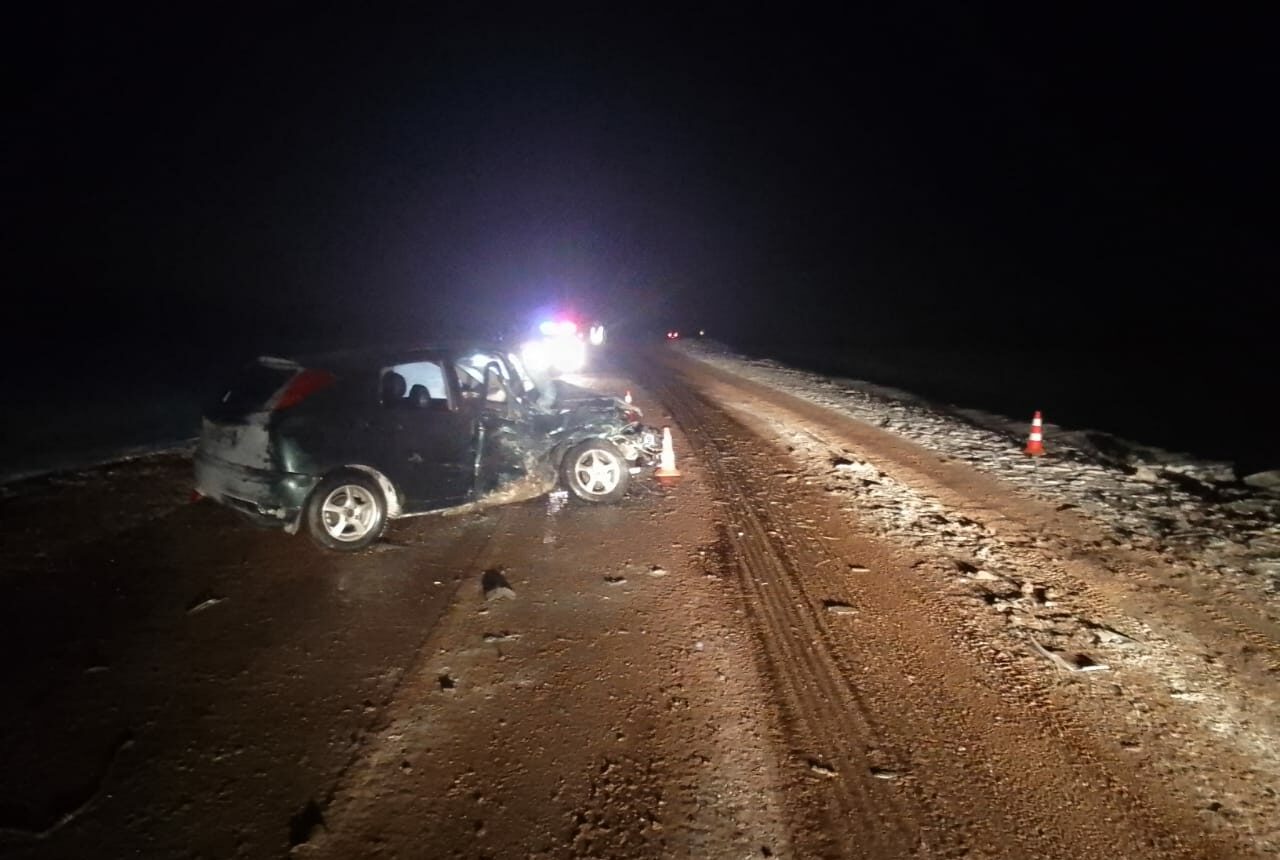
(373, 358)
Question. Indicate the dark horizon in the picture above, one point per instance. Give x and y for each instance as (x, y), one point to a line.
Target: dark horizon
(182, 187)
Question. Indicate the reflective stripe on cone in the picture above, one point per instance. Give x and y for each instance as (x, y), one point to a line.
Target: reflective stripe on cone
(1035, 442)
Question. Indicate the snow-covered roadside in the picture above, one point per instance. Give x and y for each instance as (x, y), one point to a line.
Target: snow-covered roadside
(71, 465)
(1194, 511)
(1031, 599)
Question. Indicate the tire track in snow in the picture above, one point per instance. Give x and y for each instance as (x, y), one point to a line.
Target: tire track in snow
(824, 714)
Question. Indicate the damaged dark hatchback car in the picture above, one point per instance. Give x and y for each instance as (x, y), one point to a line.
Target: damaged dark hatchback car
(339, 444)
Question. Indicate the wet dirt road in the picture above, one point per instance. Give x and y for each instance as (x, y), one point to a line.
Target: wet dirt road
(188, 686)
(738, 667)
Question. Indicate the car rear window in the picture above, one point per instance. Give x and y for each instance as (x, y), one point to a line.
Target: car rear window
(251, 390)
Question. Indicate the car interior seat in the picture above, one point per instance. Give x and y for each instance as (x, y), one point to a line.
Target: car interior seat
(393, 387)
(419, 396)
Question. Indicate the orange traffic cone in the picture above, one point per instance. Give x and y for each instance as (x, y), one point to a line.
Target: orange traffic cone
(667, 473)
(627, 399)
(1035, 442)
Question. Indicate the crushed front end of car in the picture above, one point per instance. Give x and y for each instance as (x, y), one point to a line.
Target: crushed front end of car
(612, 419)
(591, 444)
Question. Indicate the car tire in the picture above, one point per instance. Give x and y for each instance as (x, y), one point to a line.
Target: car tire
(347, 511)
(595, 471)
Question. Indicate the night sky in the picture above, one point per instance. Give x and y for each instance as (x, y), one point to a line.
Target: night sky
(181, 178)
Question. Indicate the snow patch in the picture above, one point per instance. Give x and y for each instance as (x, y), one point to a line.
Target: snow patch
(1193, 510)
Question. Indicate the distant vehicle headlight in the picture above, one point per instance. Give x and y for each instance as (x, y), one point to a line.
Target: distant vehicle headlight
(597, 335)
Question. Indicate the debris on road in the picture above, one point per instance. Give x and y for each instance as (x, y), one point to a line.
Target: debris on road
(496, 586)
(202, 605)
(1104, 635)
(501, 637)
(822, 768)
(305, 823)
(1082, 662)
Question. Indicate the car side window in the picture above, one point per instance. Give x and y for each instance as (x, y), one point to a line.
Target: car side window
(416, 385)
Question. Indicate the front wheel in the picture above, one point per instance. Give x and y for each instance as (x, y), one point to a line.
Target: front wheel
(596, 471)
(347, 512)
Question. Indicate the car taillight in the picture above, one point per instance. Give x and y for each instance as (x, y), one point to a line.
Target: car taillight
(305, 384)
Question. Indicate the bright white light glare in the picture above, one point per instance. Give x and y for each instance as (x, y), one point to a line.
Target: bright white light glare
(568, 354)
(535, 355)
(702, 332)
(563, 328)
(597, 335)
(564, 354)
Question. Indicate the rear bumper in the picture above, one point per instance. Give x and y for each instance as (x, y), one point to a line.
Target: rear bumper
(264, 495)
